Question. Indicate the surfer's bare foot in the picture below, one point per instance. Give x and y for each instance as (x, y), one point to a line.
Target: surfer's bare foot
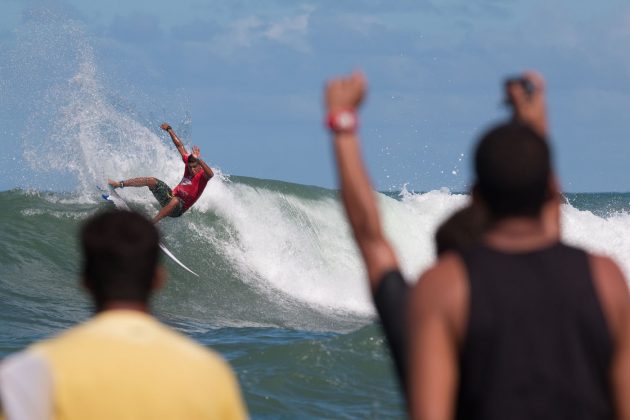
(114, 184)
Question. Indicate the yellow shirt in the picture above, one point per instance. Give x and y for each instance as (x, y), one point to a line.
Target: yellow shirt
(127, 365)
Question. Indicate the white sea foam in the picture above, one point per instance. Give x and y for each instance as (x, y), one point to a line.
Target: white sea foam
(411, 224)
(608, 235)
(303, 247)
(279, 242)
(297, 246)
(79, 129)
(56, 214)
(92, 140)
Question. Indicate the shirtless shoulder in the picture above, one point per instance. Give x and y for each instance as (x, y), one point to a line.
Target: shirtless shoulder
(612, 291)
(443, 291)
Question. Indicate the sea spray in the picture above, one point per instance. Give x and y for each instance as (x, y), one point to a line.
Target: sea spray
(608, 235)
(293, 352)
(287, 241)
(91, 140)
(74, 130)
(269, 253)
(410, 222)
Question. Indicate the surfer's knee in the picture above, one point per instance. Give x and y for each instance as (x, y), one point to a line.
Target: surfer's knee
(151, 182)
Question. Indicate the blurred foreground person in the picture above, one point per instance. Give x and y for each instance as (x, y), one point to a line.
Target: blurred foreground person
(343, 97)
(519, 325)
(123, 363)
(544, 333)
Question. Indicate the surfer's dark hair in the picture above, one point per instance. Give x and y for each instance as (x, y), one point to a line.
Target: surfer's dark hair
(120, 256)
(192, 159)
(513, 168)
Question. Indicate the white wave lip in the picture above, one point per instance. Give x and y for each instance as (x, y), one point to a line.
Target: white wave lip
(300, 247)
(94, 141)
(304, 248)
(608, 236)
(77, 126)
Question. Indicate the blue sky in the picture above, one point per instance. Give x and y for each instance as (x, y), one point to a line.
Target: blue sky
(243, 79)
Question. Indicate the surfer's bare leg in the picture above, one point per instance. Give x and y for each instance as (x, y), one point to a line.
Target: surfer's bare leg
(166, 210)
(146, 181)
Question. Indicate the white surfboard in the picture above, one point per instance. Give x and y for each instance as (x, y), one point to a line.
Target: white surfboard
(122, 204)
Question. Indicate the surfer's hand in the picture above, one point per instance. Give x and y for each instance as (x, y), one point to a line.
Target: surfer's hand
(530, 108)
(345, 93)
(165, 126)
(196, 152)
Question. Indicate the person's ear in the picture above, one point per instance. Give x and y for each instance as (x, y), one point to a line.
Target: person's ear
(159, 279)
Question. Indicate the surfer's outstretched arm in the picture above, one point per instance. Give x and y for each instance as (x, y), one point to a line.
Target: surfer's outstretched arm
(343, 96)
(178, 143)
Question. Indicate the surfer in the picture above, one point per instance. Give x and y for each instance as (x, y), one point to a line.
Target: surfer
(177, 201)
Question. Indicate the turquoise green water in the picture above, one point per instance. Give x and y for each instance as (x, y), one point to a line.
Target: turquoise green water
(282, 292)
(293, 358)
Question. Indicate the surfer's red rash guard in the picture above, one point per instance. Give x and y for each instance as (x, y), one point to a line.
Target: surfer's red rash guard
(191, 186)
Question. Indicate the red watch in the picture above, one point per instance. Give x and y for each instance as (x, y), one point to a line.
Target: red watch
(342, 121)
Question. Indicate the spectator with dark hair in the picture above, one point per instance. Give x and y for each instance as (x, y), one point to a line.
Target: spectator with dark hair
(463, 228)
(122, 363)
(553, 340)
(519, 325)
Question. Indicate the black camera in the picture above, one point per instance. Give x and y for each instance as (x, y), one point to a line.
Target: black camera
(527, 86)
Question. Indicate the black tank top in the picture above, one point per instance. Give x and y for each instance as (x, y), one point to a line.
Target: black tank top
(537, 344)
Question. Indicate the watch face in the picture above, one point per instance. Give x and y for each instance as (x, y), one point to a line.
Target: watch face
(346, 120)
(342, 121)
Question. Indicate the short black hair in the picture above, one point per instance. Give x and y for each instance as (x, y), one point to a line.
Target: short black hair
(513, 168)
(462, 229)
(191, 159)
(120, 256)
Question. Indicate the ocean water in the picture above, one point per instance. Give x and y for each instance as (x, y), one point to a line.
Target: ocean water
(282, 293)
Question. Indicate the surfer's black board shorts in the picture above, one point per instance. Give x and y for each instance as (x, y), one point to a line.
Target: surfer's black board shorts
(163, 194)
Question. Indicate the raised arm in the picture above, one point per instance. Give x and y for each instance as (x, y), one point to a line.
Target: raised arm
(206, 169)
(343, 96)
(529, 107)
(176, 141)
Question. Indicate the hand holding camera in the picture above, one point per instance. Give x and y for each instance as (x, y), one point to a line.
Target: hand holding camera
(526, 96)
